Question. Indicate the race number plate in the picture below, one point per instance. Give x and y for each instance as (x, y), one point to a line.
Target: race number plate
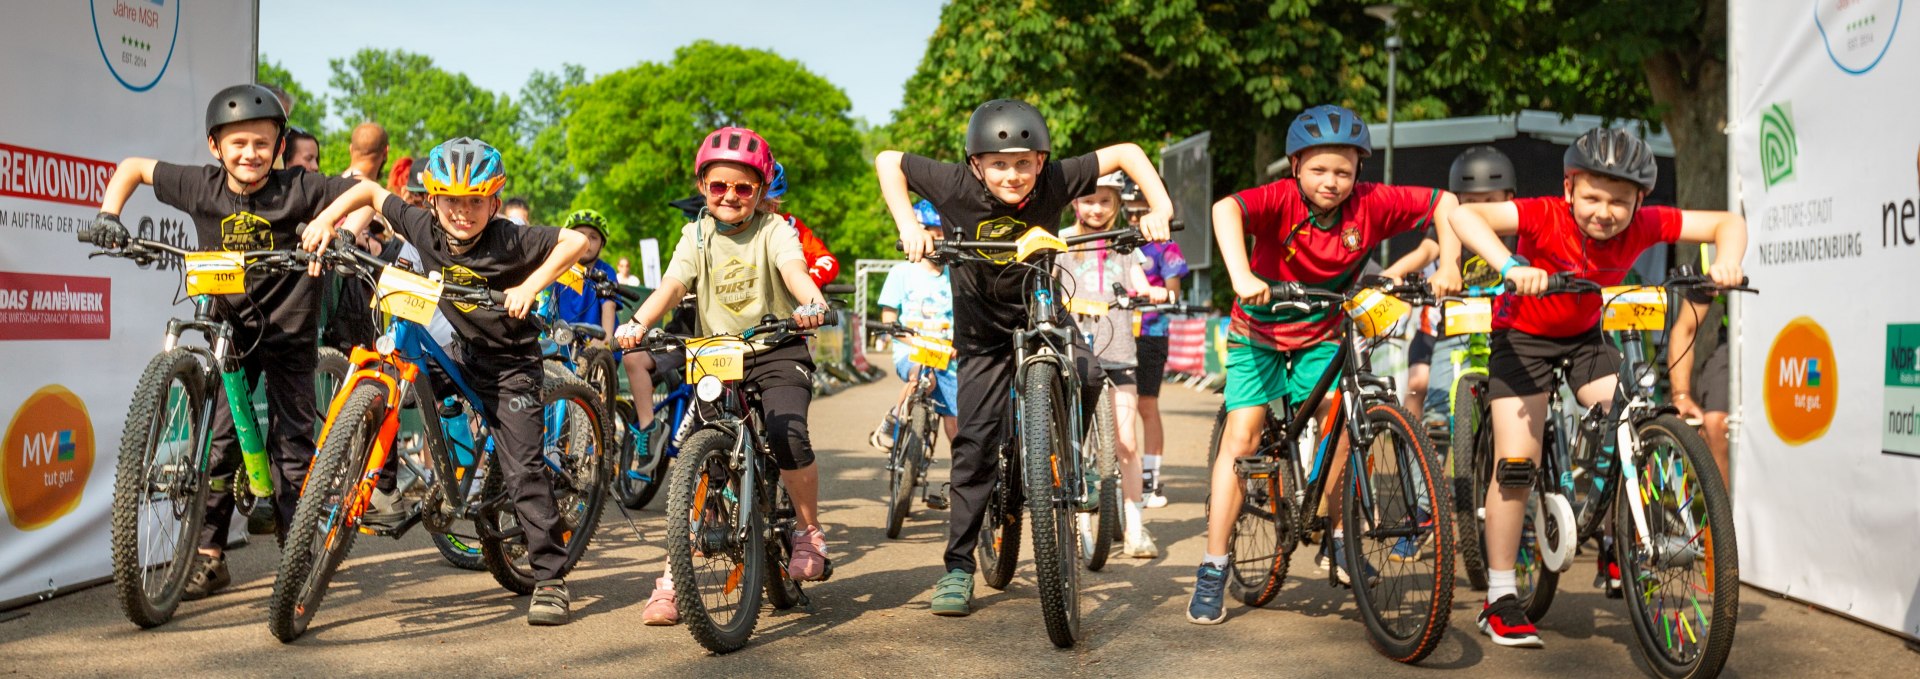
(931, 352)
(722, 357)
(1470, 316)
(1634, 307)
(1036, 240)
(575, 278)
(1087, 307)
(216, 273)
(1375, 312)
(407, 295)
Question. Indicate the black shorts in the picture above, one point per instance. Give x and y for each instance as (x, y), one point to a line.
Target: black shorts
(1523, 364)
(1123, 376)
(1420, 352)
(1713, 381)
(669, 366)
(1152, 352)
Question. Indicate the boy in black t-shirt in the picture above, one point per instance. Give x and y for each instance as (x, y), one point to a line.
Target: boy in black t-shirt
(1006, 187)
(463, 237)
(244, 204)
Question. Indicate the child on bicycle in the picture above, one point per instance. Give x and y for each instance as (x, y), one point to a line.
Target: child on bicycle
(1480, 174)
(920, 295)
(745, 261)
(1315, 229)
(464, 238)
(1007, 186)
(1595, 231)
(241, 203)
(1090, 275)
(587, 307)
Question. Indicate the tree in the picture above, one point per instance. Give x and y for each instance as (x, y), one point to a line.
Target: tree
(309, 108)
(1663, 62)
(633, 134)
(539, 160)
(420, 104)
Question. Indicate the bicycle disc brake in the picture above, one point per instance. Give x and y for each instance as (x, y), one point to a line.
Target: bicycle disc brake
(1554, 517)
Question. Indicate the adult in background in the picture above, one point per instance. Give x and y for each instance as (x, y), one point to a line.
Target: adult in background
(517, 211)
(302, 150)
(624, 270)
(367, 152)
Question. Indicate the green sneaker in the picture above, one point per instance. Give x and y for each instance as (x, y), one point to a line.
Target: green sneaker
(953, 594)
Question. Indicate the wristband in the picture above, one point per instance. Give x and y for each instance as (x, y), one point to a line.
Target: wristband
(1513, 261)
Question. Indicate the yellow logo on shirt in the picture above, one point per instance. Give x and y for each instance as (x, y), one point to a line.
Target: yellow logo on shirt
(460, 275)
(242, 231)
(736, 284)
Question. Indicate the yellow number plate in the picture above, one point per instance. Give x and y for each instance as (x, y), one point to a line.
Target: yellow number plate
(1087, 307)
(1375, 312)
(722, 357)
(1470, 316)
(216, 273)
(1634, 307)
(931, 352)
(575, 278)
(1037, 240)
(407, 295)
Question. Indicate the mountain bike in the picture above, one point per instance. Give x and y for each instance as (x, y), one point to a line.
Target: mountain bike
(360, 438)
(729, 519)
(161, 482)
(916, 424)
(1391, 488)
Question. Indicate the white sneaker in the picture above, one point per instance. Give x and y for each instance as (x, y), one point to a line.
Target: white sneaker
(1155, 500)
(1141, 546)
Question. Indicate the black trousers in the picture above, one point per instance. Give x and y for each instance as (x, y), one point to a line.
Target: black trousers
(508, 385)
(986, 424)
(287, 362)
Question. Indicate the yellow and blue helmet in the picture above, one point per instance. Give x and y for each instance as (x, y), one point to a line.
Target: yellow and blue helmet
(464, 167)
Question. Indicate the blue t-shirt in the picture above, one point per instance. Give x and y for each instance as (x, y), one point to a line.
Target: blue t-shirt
(581, 307)
(923, 298)
(1164, 262)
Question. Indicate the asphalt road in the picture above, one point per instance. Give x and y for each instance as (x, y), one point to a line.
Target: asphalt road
(396, 608)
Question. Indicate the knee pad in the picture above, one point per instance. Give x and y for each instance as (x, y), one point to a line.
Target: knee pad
(1514, 472)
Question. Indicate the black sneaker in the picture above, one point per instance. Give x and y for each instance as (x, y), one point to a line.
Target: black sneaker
(551, 604)
(1505, 621)
(209, 575)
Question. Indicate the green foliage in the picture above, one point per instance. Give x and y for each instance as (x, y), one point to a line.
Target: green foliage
(309, 108)
(419, 104)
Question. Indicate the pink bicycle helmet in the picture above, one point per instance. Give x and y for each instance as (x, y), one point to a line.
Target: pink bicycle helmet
(736, 144)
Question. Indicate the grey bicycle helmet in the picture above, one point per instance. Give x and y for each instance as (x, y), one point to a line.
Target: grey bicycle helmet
(1615, 153)
(1481, 169)
(1007, 126)
(241, 103)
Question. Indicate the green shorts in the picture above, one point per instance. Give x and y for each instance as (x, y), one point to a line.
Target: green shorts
(1257, 375)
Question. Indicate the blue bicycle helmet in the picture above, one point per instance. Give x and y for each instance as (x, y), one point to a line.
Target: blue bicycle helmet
(778, 187)
(925, 212)
(1328, 125)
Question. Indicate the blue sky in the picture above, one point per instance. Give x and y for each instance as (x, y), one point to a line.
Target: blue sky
(867, 47)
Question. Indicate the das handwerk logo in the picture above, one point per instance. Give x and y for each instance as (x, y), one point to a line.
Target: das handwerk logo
(46, 458)
(1802, 382)
(1779, 146)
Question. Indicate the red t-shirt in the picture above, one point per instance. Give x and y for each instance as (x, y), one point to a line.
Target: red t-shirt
(822, 266)
(1550, 240)
(1287, 246)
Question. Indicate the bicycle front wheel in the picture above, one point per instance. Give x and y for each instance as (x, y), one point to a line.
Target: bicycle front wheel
(1393, 487)
(1047, 458)
(909, 451)
(159, 489)
(1682, 574)
(1472, 447)
(718, 565)
(326, 520)
(638, 474)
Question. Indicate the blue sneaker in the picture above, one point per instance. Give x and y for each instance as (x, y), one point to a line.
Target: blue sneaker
(1209, 596)
(1410, 548)
(1338, 545)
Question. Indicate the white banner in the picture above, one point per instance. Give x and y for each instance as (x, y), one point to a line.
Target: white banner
(87, 84)
(1824, 145)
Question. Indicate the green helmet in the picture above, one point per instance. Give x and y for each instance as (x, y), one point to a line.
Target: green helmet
(587, 218)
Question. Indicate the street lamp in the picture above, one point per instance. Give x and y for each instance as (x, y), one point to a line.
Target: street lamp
(1386, 13)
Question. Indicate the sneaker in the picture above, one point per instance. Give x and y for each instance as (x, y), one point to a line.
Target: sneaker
(550, 604)
(1506, 622)
(953, 595)
(1141, 546)
(385, 510)
(1606, 577)
(1208, 605)
(882, 436)
(1338, 547)
(209, 575)
(937, 499)
(661, 609)
(1154, 499)
(1409, 548)
(809, 560)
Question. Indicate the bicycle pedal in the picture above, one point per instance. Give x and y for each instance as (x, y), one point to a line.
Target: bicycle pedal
(1256, 467)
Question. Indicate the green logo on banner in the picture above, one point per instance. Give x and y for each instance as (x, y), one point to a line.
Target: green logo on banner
(1903, 355)
(1779, 146)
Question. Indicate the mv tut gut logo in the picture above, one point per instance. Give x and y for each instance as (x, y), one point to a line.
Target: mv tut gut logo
(1779, 145)
(46, 458)
(1802, 382)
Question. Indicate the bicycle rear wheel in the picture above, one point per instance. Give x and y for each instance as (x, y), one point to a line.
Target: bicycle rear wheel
(326, 520)
(638, 474)
(1393, 487)
(1472, 447)
(1682, 577)
(573, 449)
(1097, 457)
(904, 460)
(718, 565)
(1265, 532)
(159, 490)
(1049, 465)
(998, 551)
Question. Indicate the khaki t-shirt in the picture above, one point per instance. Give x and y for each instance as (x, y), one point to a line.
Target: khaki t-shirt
(736, 277)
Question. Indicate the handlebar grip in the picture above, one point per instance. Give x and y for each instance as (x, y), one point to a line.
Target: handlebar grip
(84, 234)
(590, 331)
(1177, 226)
(837, 289)
(1285, 292)
(626, 294)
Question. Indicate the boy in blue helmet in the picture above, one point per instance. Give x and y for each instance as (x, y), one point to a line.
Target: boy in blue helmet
(1314, 228)
(920, 295)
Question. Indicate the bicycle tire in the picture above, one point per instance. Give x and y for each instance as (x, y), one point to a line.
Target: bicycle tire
(602, 373)
(1718, 553)
(1408, 463)
(578, 493)
(1473, 467)
(1099, 454)
(313, 551)
(706, 457)
(1057, 571)
(1264, 528)
(151, 602)
(637, 479)
(782, 592)
(904, 460)
(998, 548)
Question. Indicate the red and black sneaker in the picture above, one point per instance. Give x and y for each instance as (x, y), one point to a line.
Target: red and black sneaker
(1607, 577)
(1505, 620)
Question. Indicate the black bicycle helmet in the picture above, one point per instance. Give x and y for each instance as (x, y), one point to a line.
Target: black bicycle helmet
(1480, 169)
(1615, 153)
(241, 103)
(1007, 126)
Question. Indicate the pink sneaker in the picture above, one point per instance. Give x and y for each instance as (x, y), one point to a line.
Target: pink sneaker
(661, 609)
(809, 561)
